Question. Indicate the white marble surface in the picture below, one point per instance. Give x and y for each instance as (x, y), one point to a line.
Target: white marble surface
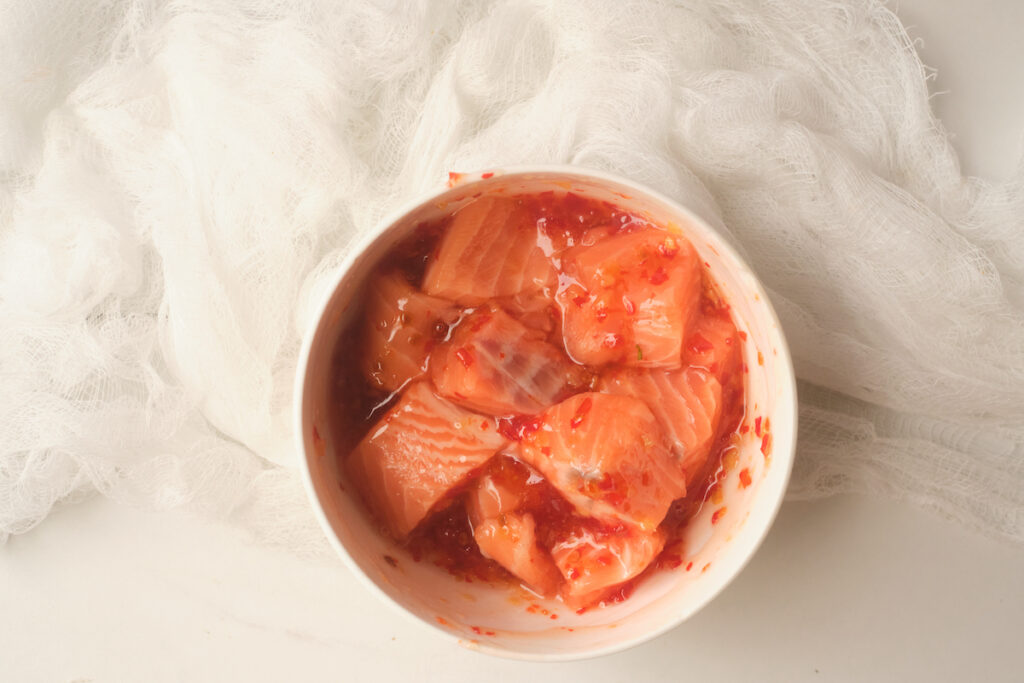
(843, 589)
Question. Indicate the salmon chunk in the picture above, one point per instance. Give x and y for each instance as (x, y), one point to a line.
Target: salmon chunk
(511, 541)
(595, 561)
(629, 298)
(421, 449)
(402, 326)
(687, 404)
(495, 365)
(508, 536)
(608, 456)
(489, 250)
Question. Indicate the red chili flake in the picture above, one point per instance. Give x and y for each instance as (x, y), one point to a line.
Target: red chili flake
(477, 630)
(658, 277)
(628, 304)
(717, 515)
(767, 424)
(391, 561)
(581, 610)
(744, 429)
(757, 425)
(700, 344)
(581, 299)
(705, 568)
(760, 358)
(606, 483)
(464, 354)
(582, 410)
(574, 573)
(745, 479)
(488, 633)
(745, 368)
(554, 616)
(485, 425)
(442, 621)
(766, 445)
(743, 335)
(487, 175)
(453, 178)
(689, 566)
(707, 264)
(546, 450)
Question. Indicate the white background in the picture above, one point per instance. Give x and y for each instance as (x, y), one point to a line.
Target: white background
(843, 589)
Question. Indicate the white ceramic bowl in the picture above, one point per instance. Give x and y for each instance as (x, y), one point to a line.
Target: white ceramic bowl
(494, 619)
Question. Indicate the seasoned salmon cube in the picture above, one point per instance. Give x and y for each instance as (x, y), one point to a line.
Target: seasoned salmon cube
(495, 365)
(630, 297)
(508, 536)
(421, 449)
(608, 456)
(489, 250)
(402, 326)
(510, 539)
(595, 561)
(686, 403)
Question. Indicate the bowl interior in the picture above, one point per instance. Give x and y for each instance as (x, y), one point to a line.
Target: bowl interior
(503, 621)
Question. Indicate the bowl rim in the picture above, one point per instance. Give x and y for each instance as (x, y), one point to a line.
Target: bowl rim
(786, 375)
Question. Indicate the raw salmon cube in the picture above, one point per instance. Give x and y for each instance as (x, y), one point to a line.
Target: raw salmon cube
(421, 449)
(595, 561)
(607, 456)
(687, 404)
(495, 365)
(629, 297)
(510, 539)
(489, 250)
(402, 326)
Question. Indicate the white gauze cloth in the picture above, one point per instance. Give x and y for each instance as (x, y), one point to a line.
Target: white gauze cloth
(179, 179)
